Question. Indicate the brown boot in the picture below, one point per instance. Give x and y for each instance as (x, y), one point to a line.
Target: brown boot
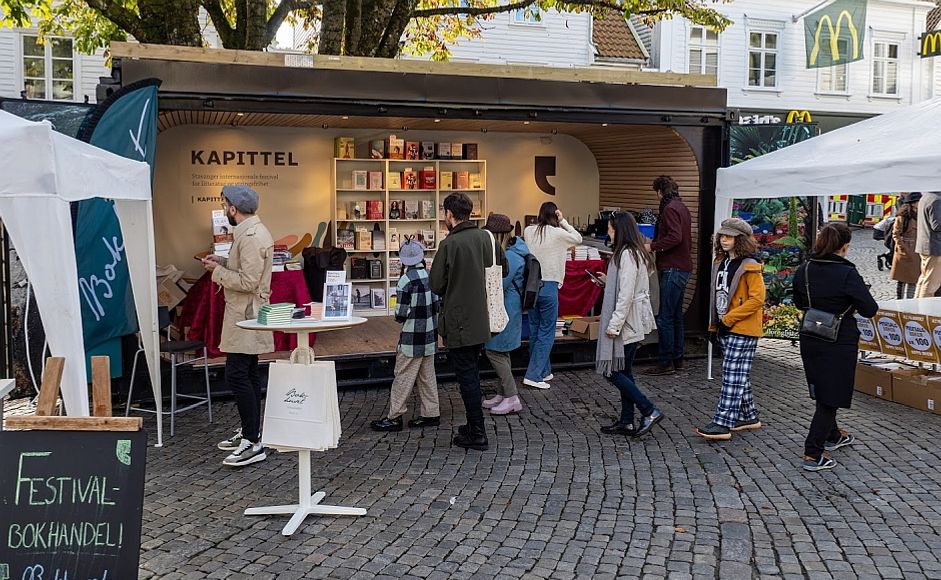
(660, 370)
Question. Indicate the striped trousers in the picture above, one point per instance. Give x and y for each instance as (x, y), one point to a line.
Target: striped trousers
(737, 402)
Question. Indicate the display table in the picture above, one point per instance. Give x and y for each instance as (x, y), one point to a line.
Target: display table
(307, 504)
(906, 328)
(204, 307)
(578, 293)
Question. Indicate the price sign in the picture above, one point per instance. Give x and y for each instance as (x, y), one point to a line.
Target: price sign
(919, 338)
(934, 325)
(889, 327)
(868, 337)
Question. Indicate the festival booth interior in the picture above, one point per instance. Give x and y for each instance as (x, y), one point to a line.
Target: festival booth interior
(41, 172)
(885, 154)
(611, 133)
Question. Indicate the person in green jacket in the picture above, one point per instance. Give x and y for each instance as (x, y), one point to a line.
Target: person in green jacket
(458, 277)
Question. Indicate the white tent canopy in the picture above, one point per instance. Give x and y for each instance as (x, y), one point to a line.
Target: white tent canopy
(898, 151)
(41, 172)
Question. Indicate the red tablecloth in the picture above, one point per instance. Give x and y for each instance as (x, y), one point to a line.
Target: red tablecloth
(578, 293)
(205, 303)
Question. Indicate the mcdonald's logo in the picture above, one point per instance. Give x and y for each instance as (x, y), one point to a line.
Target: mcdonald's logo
(799, 117)
(931, 44)
(835, 36)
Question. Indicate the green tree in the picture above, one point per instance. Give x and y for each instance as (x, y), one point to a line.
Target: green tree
(378, 28)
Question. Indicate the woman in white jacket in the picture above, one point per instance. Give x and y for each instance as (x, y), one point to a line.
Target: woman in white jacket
(627, 317)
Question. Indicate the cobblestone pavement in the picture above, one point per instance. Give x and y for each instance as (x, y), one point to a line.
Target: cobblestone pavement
(554, 498)
(863, 252)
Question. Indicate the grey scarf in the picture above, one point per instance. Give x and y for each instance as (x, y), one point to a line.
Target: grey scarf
(609, 358)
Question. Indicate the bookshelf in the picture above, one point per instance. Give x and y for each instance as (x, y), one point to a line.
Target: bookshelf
(408, 211)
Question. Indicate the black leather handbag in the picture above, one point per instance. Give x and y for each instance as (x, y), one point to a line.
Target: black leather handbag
(818, 323)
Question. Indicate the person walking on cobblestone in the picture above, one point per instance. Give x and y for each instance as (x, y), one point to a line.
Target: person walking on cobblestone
(831, 283)
(417, 310)
(928, 244)
(738, 298)
(458, 277)
(498, 348)
(627, 317)
(906, 265)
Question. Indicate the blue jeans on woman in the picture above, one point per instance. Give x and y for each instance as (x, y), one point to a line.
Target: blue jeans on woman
(630, 394)
(542, 318)
(670, 326)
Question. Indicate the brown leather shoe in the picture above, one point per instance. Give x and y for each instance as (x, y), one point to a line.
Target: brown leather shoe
(660, 370)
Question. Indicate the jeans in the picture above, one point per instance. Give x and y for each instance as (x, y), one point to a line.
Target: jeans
(464, 363)
(542, 319)
(630, 394)
(670, 318)
(822, 429)
(241, 376)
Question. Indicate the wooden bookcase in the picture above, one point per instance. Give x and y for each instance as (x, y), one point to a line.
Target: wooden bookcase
(346, 194)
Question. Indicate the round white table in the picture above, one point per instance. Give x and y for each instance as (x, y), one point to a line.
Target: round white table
(307, 504)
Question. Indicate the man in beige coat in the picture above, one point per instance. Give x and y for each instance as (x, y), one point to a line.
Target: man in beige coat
(246, 278)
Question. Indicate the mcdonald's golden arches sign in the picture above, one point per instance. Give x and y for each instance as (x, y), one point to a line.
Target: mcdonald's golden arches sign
(799, 117)
(930, 43)
(835, 34)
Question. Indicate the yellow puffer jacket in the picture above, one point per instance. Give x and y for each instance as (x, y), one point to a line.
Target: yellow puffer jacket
(748, 299)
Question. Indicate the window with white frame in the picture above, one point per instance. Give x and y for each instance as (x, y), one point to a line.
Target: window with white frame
(526, 17)
(48, 68)
(762, 59)
(703, 51)
(834, 79)
(885, 68)
(927, 78)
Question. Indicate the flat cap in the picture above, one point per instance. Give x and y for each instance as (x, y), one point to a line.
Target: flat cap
(735, 227)
(243, 197)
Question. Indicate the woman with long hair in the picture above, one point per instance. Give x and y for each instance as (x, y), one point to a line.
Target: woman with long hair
(499, 347)
(831, 283)
(906, 263)
(738, 298)
(549, 241)
(627, 317)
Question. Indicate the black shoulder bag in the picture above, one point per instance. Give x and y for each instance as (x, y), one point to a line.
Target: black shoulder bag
(818, 323)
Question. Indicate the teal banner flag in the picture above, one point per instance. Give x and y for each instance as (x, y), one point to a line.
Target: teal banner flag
(835, 34)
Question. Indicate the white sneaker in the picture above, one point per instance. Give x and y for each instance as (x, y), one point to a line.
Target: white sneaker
(548, 378)
(536, 384)
(246, 454)
(232, 443)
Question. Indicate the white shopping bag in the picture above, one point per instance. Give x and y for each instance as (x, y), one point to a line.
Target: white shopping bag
(302, 408)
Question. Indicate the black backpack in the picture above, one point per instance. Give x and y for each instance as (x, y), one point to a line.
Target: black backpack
(532, 282)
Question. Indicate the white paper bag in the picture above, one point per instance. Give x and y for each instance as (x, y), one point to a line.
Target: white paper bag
(302, 408)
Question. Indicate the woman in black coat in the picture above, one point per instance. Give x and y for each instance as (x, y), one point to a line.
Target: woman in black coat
(836, 287)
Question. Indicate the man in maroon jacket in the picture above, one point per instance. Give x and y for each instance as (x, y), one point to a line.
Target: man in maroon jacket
(672, 243)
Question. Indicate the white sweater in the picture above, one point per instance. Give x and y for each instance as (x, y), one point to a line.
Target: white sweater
(551, 248)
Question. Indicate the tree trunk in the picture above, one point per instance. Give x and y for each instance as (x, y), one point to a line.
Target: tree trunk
(256, 25)
(354, 22)
(332, 26)
(390, 44)
(170, 22)
(373, 25)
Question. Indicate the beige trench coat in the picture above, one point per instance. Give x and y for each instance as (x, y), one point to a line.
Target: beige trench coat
(246, 279)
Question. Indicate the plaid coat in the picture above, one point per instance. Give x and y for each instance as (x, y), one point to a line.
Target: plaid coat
(417, 309)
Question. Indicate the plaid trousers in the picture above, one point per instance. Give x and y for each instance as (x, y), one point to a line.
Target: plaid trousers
(736, 403)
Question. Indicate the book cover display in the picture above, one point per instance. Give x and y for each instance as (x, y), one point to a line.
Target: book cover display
(457, 150)
(377, 149)
(344, 148)
(395, 147)
(409, 179)
(221, 230)
(444, 150)
(427, 150)
(395, 209)
(375, 180)
(426, 178)
(374, 210)
(393, 239)
(394, 180)
(447, 180)
(361, 297)
(411, 150)
(427, 209)
(346, 239)
(360, 179)
(377, 298)
(461, 180)
(412, 209)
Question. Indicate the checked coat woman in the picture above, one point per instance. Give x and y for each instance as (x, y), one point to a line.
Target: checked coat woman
(738, 298)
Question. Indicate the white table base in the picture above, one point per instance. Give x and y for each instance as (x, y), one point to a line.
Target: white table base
(307, 504)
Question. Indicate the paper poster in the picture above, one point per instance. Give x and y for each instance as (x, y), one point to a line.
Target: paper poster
(919, 339)
(889, 327)
(868, 338)
(934, 326)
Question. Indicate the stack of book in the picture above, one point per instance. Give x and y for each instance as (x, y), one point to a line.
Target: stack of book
(560, 328)
(271, 314)
(281, 256)
(585, 253)
(221, 249)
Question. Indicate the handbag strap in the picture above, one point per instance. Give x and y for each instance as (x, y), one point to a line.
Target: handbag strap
(807, 289)
(493, 248)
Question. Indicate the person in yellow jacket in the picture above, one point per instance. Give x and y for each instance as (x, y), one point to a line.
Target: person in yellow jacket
(738, 297)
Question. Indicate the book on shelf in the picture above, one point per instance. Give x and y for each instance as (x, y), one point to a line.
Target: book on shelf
(395, 209)
(427, 237)
(442, 233)
(377, 149)
(447, 180)
(221, 229)
(375, 180)
(375, 269)
(361, 296)
(346, 239)
(221, 249)
(409, 179)
(363, 240)
(377, 298)
(411, 150)
(427, 149)
(393, 298)
(461, 179)
(378, 240)
(457, 150)
(444, 150)
(474, 181)
(428, 262)
(475, 210)
(393, 239)
(344, 148)
(360, 179)
(374, 210)
(411, 209)
(470, 151)
(426, 178)
(395, 147)
(427, 209)
(357, 210)
(342, 210)
(359, 268)
(395, 267)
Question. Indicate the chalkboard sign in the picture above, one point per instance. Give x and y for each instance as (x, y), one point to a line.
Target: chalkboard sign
(71, 504)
